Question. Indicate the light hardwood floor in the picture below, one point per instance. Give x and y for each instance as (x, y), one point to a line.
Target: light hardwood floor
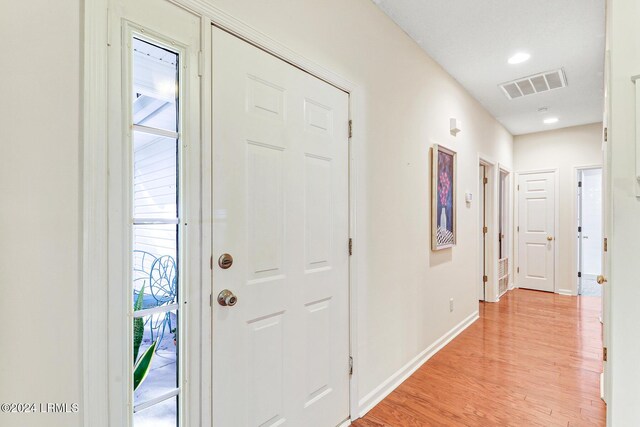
(532, 359)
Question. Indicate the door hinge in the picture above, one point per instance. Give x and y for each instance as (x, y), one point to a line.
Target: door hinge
(210, 300)
(485, 180)
(606, 246)
(350, 365)
(579, 229)
(579, 184)
(200, 64)
(518, 229)
(211, 263)
(485, 229)
(518, 187)
(604, 354)
(518, 270)
(606, 134)
(350, 128)
(485, 279)
(350, 246)
(579, 274)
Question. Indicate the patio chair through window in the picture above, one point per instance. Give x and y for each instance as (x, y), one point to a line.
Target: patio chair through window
(159, 276)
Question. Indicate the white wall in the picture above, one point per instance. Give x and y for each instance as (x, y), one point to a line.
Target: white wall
(40, 227)
(562, 149)
(623, 42)
(408, 100)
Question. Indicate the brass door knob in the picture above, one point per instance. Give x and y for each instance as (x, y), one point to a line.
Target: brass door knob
(227, 298)
(549, 238)
(601, 280)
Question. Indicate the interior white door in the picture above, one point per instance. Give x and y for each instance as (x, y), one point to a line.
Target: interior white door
(607, 226)
(281, 354)
(536, 219)
(579, 231)
(482, 209)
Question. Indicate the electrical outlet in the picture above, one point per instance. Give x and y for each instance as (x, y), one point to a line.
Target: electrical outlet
(450, 304)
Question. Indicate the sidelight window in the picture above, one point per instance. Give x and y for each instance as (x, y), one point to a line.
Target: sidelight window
(156, 235)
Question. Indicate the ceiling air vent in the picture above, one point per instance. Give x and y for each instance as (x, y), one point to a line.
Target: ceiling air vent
(537, 83)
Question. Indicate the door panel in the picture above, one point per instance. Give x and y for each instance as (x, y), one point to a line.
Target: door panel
(265, 203)
(537, 228)
(535, 219)
(536, 260)
(281, 355)
(266, 371)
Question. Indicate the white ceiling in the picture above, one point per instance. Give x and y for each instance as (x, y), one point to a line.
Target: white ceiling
(473, 39)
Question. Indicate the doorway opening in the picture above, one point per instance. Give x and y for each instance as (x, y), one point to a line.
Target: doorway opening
(589, 230)
(482, 210)
(503, 232)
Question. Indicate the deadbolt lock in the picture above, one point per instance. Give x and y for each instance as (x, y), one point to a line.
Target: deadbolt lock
(225, 261)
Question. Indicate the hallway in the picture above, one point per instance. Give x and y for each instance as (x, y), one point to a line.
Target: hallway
(533, 359)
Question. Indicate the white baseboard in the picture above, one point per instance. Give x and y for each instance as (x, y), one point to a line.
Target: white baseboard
(566, 292)
(383, 390)
(345, 423)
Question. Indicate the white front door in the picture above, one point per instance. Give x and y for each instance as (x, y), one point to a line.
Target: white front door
(536, 222)
(280, 135)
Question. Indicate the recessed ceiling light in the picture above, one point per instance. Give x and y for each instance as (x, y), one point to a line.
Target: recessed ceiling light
(550, 120)
(519, 57)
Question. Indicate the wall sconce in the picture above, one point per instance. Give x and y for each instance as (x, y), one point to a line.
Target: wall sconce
(454, 126)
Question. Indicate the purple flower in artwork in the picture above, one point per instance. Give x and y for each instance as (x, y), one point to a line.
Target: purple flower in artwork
(444, 186)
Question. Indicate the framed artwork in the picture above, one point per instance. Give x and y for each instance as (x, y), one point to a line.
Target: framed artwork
(443, 198)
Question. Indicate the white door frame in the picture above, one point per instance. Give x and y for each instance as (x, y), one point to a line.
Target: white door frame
(556, 220)
(491, 218)
(575, 247)
(95, 192)
(123, 27)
